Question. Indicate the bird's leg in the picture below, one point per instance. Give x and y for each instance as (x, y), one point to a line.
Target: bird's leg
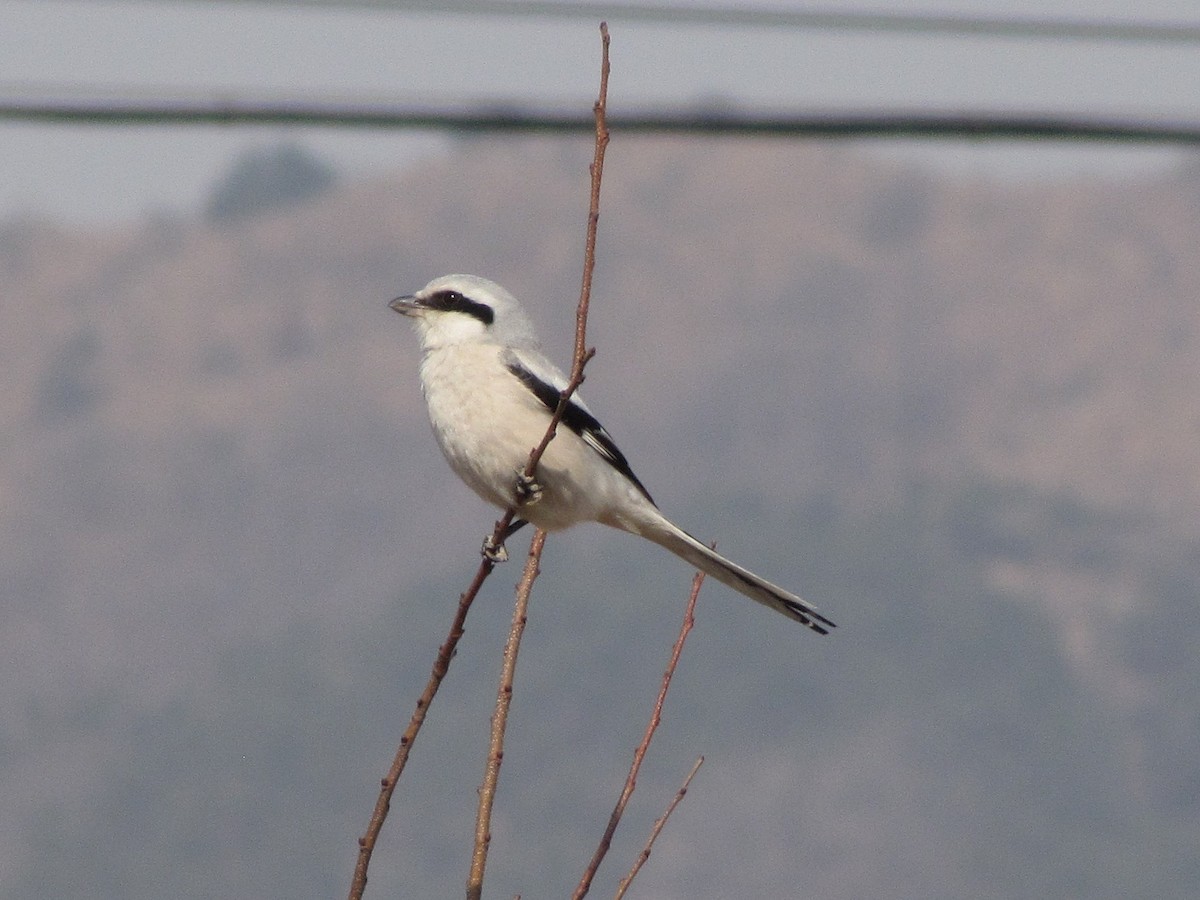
(496, 552)
(529, 491)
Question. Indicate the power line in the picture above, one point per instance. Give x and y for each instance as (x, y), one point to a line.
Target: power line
(1025, 27)
(499, 119)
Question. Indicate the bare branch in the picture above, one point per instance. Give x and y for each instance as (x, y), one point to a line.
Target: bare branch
(491, 775)
(366, 844)
(654, 832)
(689, 619)
(581, 355)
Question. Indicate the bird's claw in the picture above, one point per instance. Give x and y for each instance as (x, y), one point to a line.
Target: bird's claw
(494, 552)
(529, 491)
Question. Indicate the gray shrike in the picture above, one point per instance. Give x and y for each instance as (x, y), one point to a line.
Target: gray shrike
(491, 392)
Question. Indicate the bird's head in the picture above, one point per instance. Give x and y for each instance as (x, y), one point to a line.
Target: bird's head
(459, 309)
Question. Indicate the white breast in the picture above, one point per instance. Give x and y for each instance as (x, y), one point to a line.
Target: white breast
(487, 422)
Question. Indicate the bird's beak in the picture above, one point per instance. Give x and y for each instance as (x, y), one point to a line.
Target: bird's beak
(407, 306)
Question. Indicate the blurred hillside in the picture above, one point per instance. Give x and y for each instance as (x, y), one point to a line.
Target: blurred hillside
(958, 415)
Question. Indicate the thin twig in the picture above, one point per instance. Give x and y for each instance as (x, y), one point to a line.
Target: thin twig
(366, 844)
(491, 775)
(580, 357)
(654, 832)
(582, 354)
(689, 619)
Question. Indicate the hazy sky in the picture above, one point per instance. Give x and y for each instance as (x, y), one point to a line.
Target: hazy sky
(97, 174)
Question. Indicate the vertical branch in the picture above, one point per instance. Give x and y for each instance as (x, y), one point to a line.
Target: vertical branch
(491, 775)
(580, 357)
(366, 843)
(582, 354)
(600, 110)
(689, 619)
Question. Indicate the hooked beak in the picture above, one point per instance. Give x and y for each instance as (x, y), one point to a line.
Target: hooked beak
(407, 306)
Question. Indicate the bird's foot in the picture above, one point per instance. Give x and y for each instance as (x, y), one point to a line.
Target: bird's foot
(529, 491)
(492, 551)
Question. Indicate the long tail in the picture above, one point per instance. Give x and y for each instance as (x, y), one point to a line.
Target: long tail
(668, 535)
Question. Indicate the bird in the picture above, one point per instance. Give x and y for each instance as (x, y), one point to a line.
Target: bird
(490, 394)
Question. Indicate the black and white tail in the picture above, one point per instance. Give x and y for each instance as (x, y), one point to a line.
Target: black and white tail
(729, 573)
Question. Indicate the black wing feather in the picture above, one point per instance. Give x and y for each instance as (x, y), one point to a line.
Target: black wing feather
(580, 421)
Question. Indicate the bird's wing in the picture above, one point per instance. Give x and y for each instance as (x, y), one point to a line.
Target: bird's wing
(546, 383)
